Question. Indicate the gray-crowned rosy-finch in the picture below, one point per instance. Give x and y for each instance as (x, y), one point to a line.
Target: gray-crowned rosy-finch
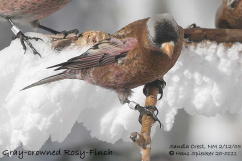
(139, 53)
(229, 15)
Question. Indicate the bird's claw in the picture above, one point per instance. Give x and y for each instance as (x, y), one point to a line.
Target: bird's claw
(193, 26)
(157, 83)
(66, 33)
(150, 111)
(25, 39)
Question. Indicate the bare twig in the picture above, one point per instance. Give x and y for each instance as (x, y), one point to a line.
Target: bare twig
(143, 140)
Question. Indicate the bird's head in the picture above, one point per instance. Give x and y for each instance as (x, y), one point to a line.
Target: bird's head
(232, 3)
(163, 32)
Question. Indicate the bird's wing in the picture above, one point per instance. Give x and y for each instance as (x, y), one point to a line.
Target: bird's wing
(103, 53)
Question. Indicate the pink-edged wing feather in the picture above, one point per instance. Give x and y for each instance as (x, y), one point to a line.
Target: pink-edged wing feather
(105, 52)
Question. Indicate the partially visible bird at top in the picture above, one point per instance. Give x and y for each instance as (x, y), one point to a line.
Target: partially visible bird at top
(229, 15)
(29, 11)
(140, 53)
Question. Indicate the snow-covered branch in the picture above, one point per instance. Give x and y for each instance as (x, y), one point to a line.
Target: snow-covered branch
(206, 80)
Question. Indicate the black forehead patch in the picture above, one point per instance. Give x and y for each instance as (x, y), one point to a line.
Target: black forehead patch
(165, 32)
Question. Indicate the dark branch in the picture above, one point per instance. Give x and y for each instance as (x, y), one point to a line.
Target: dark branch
(218, 35)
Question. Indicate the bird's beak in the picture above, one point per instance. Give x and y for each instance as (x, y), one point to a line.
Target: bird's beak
(168, 48)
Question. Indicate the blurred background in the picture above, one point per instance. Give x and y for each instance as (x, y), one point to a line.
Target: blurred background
(109, 16)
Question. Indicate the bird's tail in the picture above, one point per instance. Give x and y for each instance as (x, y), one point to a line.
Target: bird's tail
(50, 79)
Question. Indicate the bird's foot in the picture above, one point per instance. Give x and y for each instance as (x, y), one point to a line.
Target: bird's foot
(157, 83)
(66, 33)
(193, 26)
(25, 39)
(123, 95)
(151, 111)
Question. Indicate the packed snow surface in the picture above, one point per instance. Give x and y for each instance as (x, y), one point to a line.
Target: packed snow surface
(206, 80)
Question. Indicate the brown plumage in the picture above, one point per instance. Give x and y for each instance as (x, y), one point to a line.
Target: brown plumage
(139, 53)
(229, 15)
(30, 11)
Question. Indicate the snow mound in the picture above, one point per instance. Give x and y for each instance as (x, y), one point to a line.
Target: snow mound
(206, 80)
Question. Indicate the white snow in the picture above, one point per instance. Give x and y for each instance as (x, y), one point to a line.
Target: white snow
(206, 81)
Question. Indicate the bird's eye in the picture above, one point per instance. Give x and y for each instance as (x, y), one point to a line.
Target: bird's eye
(233, 4)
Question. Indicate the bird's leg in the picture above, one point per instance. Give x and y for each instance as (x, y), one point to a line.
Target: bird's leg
(152, 111)
(23, 38)
(48, 29)
(65, 33)
(158, 83)
(123, 95)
